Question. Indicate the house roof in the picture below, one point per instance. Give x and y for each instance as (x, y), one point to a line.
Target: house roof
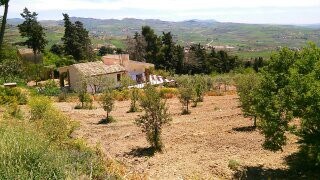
(97, 68)
(141, 63)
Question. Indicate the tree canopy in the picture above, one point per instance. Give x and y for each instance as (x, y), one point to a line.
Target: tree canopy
(289, 89)
(76, 40)
(33, 31)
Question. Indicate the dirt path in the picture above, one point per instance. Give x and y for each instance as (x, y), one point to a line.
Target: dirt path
(201, 143)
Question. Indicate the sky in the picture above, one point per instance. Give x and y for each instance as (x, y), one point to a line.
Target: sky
(242, 11)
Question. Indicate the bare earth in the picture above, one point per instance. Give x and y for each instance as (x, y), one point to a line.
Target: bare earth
(199, 144)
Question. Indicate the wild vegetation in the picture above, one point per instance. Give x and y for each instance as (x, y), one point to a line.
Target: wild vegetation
(41, 147)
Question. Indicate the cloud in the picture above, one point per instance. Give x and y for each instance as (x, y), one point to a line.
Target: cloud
(251, 11)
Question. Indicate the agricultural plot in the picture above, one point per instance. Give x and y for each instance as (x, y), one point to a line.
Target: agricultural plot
(212, 142)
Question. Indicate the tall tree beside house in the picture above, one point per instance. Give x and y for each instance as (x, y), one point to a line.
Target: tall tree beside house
(4, 3)
(153, 45)
(137, 47)
(76, 40)
(33, 31)
(166, 58)
(196, 60)
(179, 58)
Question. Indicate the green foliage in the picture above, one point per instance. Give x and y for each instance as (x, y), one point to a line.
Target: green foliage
(57, 49)
(272, 102)
(126, 81)
(50, 88)
(136, 47)
(165, 54)
(33, 72)
(186, 92)
(167, 93)
(32, 30)
(121, 95)
(152, 45)
(83, 96)
(134, 97)
(200, 88)
(43, 149)
(247, 84)
(97, 84)
(76, 40)
(222, 62)
(107, 103)
(10, 64)
(105, 50)
(233, 165)
(39, 105)
(156, 115)
(9, 95)
(289, 89)
(85, 100)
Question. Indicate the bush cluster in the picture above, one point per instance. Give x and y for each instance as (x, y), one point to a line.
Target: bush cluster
(43, 149)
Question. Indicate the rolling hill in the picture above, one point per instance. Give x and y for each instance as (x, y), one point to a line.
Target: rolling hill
(251, 39)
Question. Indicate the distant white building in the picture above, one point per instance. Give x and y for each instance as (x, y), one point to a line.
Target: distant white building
(138, 71)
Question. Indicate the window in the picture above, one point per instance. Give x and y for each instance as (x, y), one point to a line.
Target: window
(118, 77)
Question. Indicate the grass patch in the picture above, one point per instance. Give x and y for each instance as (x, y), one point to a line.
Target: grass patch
(233, 165)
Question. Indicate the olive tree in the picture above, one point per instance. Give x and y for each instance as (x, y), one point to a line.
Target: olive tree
(273, 102)
(186, 92)
(107, 103)
(134, 97)
(246, 85)
(156, 115)
(200, 86)
(84, 97)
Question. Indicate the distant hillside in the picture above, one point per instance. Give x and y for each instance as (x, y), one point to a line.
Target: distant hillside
(244, 37)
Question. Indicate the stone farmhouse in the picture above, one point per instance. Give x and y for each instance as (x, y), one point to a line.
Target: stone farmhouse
(111, 67)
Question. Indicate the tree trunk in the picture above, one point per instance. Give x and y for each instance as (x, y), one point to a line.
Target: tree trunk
(187, 106)
(4, 22)
(254, 121)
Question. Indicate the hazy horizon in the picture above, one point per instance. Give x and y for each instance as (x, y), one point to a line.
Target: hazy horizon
(253, 12)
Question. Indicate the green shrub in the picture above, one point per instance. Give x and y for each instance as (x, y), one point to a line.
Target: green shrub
(50, 89)
(57, 126)
(121, 95)
(8, 94)
(186, 92)
(26, 153)
(135, 94)
(247, 84)
(233, 165)
(167, 93)
(200, 87)
(86, 101)
(107, 103)
(39, 105)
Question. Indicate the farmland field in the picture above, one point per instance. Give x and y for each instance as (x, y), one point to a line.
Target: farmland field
(199, 145)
